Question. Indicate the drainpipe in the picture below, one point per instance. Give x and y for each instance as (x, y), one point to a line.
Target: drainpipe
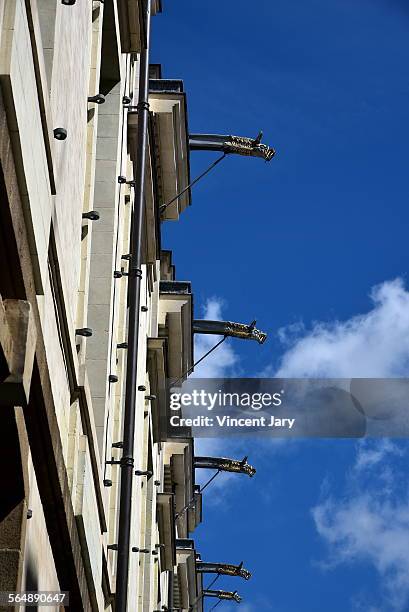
(134, 286)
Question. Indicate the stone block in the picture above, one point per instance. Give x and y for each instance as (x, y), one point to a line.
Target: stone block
(105, 192)
(19, 319)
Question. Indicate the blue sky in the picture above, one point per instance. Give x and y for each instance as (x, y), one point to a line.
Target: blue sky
(301, 240)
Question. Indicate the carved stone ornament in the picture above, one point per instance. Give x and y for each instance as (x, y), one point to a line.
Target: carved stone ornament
(225, 465)
(224, 569)
(228, 328)
(223, 595)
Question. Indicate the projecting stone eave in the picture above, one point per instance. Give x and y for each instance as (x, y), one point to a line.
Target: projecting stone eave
(171, 139)
(189, 582)
(151, 229)
(195, 512)
(178, 455)
(175, 324)
(167, 534)
(157, 368)
(167, 267)
(131, 23)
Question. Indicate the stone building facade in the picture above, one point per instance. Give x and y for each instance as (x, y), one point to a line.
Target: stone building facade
(69, 75)
(72, 83)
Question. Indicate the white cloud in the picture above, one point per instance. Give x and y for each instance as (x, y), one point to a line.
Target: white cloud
(371, 522)
(222, 447)
(214, 447)
(225, 362)
(222, 362)
(375, 344)
(371, 454)
(371, 345)
(218, 364)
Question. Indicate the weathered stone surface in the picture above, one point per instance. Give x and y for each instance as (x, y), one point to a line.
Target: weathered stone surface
(18, 326)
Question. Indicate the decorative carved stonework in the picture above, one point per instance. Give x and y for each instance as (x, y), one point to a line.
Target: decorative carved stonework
(239, 145)
(225, 465)
(228, 328)
(248, 147)
(225, 569)
(223, 595)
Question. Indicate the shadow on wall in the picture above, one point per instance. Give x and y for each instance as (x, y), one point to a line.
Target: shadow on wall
(31, 581)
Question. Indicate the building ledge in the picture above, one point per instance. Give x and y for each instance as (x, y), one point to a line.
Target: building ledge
(17, 348)
(167, 267)
(178, 454)
(157, 368)
(166, 524)
(187, 584)
(175, 324)
(151, 229)
(169, 117)
(132, 27)
(195, 512)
